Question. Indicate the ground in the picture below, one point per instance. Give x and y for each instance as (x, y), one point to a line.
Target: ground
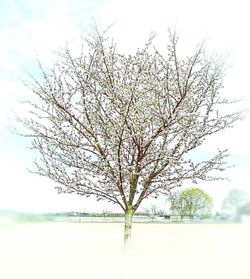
(90, 250)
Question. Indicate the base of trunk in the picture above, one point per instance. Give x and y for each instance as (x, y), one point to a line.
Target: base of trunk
(127, 227)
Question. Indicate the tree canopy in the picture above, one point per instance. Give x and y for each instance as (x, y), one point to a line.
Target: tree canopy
(120, 126)
(191, 202)
(234, 200)
(244, 209)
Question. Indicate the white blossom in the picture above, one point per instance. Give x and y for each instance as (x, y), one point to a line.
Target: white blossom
(118, 127)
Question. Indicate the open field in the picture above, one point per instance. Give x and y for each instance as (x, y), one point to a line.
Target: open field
(90, 250)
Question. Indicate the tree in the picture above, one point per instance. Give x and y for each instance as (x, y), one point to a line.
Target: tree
(152, 211)
(234, 200)
(192, 202)
(177, 206)
(106, 213)
(244, 209)
(120, 127)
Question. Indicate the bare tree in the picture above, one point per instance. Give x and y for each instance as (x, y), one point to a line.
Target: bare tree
(152, 211)
(119, 127)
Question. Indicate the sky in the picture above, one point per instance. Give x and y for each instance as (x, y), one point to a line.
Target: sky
(31, 29)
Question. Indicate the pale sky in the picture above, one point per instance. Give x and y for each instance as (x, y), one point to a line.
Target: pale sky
(33, 28)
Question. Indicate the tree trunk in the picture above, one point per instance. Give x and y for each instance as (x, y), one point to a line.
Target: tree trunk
(128, 226)
(127, 264)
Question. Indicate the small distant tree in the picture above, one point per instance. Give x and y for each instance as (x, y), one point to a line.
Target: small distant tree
(234, 200)
(120, 127)
(152, 211)
(106, 213)
(191, 202)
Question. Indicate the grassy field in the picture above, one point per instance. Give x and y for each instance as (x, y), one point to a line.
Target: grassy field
(79, 251)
